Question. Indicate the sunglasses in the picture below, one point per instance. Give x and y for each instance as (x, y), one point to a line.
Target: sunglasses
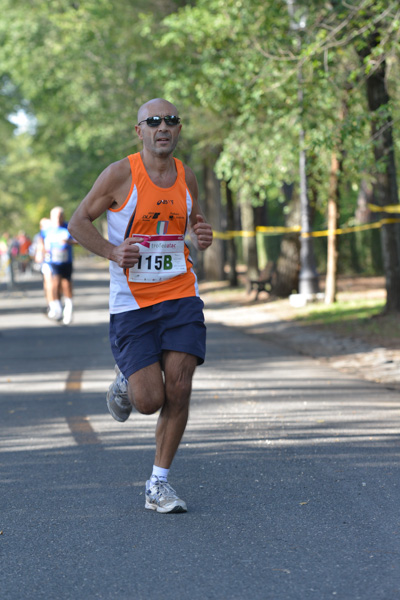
(170, 120)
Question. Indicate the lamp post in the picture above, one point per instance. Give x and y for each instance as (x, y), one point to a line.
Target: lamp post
(308, 276)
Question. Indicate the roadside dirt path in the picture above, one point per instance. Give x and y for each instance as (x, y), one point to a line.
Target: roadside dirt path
(375, 359)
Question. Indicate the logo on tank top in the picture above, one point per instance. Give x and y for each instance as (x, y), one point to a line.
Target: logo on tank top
(150, 216)
(162, 227)
(175, 215)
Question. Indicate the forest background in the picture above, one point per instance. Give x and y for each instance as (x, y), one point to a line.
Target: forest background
(290, 115)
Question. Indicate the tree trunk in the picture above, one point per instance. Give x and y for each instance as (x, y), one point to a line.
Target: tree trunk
(261, 220)
(231, 243)
(385, 187)
(213, 258)
(337, 160)
(249, 242)
(286, 280)
(330, 284)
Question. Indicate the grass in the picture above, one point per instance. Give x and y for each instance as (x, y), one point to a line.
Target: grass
(342, 311)
(361, 318)
(357, 313)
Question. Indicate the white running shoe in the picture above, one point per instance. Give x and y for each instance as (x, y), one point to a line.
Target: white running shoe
(118, 402)
(54, 315)
(160, 496)
(67, 314)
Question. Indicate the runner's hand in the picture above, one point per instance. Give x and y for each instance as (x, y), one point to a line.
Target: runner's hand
(203, 232)
(126, 255)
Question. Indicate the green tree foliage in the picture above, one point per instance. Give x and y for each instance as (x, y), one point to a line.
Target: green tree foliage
(82, 68)
(218, 46)
(239, 60)
(29, 186)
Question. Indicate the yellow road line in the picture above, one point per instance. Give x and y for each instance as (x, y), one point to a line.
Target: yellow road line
(79, 426)
(74, 381)
(82, 430)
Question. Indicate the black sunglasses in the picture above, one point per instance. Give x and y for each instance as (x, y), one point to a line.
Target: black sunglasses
(170, 120)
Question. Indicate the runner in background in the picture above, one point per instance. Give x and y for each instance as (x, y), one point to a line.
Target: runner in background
(39, 263)
(59, 258)
(24, 259)
(4, 256)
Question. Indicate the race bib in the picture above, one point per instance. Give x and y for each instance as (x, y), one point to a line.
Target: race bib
(161, 257)
(59, 255)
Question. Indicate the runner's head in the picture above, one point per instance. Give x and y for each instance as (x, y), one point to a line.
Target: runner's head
(158, 127)
(57, 216)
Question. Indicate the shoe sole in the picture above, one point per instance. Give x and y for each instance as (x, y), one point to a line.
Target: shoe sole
(176, 509)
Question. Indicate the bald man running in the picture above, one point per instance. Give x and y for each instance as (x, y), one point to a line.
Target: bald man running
(157, 330)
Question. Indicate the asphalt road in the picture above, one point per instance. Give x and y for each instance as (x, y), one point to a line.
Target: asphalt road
(290, 471)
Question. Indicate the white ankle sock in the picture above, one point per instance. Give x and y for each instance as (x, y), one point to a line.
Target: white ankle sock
(161, 473)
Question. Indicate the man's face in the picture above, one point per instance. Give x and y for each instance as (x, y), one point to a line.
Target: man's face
(161, 140)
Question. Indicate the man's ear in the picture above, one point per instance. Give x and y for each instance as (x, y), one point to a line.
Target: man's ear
(138, 130)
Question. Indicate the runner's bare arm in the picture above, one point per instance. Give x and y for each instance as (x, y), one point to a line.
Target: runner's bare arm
(200, 231)
(108, 191)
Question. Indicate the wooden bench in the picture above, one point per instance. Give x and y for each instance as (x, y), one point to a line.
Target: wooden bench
(264, 281)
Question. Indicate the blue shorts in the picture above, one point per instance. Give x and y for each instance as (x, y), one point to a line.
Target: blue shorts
(63, 270)
(139, 337)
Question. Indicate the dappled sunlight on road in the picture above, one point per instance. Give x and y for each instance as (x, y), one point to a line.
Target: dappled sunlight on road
(227, 414)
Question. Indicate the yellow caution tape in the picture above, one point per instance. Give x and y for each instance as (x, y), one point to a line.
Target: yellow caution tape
(340, 231)
(277, 229)
(228, 235)
(389, 208)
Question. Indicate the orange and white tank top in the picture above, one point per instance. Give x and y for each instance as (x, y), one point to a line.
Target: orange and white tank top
(160, 216)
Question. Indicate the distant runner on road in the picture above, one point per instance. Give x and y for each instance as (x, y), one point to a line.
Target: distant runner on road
(58, 256)
(157, 330)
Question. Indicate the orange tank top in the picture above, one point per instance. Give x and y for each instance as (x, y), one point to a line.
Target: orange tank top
(160, 216)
